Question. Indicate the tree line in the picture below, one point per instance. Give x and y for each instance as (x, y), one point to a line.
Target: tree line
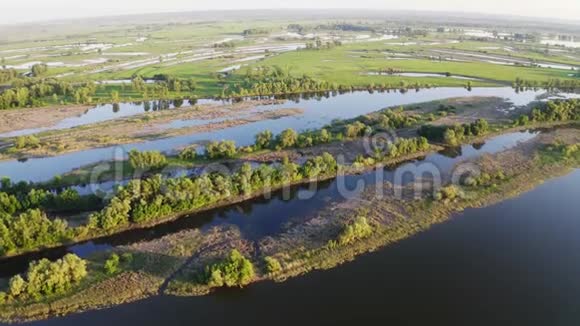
(27, 92)
(551, 84)
(267, 81)
(33, 92)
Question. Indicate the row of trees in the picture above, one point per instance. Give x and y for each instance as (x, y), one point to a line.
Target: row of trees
(25, 92)
(289, 138)
(18, 198)
(33, 91)
(291, 85)
(318, 44)
(141, 201)
(551, 84)
(24, 225)
(267, 81)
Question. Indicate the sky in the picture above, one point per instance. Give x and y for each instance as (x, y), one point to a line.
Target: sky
(16, 11)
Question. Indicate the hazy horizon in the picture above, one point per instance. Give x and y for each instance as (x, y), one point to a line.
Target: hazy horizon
(31, 11)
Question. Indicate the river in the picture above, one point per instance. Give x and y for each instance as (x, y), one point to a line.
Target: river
(318, 112)
(513, 263)
(261, 217)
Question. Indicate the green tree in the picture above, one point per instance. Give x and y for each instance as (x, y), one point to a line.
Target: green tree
(115, 96)
(236, 270)
(263, 139)
(112, 264)
(272, 265)
(359, 229)
(147, 160)
(223, 149)
(16, 286)
(287, 138)
(39, 69)
(45, 278)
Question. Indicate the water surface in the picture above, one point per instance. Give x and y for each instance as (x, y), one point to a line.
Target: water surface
(513, 263)
(268, 216)
(318, 112)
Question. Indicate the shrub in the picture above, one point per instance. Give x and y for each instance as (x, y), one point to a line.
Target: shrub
(272, 265)
(112, 264)
(450, 192)
(236, 270)
(354, 130)
(223, 149)
(263, 139)
(147, 160)
(127, 258)
(188, 154)
(26, 142)
(30, 229)
(359, 229)
(16, 286)
(287, 138)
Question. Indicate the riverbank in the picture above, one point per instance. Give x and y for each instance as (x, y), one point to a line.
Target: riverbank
(141, 128)
(310, 245)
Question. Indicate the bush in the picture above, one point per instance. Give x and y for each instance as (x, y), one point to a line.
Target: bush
(147, 160)
(450, 192)
(188, 154)
(223, 149)
(552, 111)
(264, 139)
(359, 229)
(287, 138)
(354, 130)
(236, 270)
(23, 142)
(127, 258)
(272, 265)
(405, 146)
(112, 264)
(16, 286)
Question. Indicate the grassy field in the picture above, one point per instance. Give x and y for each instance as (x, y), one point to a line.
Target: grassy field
(126, 45)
